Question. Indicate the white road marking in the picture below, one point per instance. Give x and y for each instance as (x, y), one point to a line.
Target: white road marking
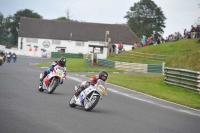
(160, 105)
(34, 70)
(136, 98)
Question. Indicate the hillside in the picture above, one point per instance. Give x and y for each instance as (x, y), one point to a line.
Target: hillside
(184, 54)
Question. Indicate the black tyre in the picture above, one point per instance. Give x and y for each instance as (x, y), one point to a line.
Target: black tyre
(41, 89)
(53, 86)
(71, 102)
(90, 105)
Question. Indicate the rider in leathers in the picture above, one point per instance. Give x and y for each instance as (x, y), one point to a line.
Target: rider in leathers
(103, 75)
(61, 62)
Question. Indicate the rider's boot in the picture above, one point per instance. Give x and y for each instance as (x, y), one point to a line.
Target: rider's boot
(61, 81)
(41, 80)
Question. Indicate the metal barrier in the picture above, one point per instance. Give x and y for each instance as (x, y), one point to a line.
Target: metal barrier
(67, 55)
(136, 67)
(182, 78)
(89, 62)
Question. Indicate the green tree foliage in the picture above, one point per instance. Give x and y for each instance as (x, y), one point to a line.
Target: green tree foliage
(145, 18)
(14, 25)
(63, 18)
(4, 29)
(2, 34)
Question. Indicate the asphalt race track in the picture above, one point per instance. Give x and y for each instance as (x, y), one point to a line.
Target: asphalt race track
(23, 109)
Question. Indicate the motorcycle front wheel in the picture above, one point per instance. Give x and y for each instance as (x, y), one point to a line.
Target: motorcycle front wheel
(40, 89)
(71, 102)
(89, 105)
(53, 86)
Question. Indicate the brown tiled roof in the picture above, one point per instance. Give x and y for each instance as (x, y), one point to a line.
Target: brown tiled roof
(81, 31)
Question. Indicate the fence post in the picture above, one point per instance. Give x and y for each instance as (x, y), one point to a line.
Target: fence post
(163, 68)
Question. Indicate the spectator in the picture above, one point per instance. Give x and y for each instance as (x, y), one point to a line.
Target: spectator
(179, 36)
(185, 32)
(148, 41)
(153, 40)
(192, 31)
(120, 47)
(198, 31)
(136, 44)
(144, 39)
(113, 47)
(133, 46)
(188, 36)
(158, 40)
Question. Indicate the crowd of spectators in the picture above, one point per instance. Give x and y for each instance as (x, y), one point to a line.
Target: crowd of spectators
(194, 32)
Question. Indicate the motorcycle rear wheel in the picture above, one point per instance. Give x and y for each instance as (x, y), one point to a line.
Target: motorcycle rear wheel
(53, 86)
(89, 106)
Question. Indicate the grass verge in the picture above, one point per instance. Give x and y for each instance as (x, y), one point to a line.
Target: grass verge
(151, 85)
(154, 86)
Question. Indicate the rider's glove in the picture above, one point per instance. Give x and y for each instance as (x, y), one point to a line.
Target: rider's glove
(51, 68)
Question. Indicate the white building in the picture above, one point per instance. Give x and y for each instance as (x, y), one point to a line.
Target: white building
(38, 37)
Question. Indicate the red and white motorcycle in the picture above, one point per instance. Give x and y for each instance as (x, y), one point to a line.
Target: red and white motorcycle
(89, 97)
(52, 80)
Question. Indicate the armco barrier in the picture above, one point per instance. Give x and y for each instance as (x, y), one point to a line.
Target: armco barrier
(182, 78)
(136, 67)
(89, 62)
(67, 55)
(126, 66)
(155, 68)
(106, 63)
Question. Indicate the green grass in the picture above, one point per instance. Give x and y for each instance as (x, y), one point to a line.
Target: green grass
(79, 65)
(177, 48)
(154, 86)
(185, 55)
(181, 54)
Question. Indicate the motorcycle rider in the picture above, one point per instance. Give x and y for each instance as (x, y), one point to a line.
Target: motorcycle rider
(103, 75)
(9, 57)
(14, 56)
(61, 62)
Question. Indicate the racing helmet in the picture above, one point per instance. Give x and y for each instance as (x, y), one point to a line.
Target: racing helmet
(62, 61)
(103, 75)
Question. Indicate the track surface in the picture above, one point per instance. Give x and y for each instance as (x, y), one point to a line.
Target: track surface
(23, 109)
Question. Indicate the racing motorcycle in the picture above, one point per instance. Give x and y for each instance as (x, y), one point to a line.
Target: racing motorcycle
(14, 58)
(8, 58)
(52, 80)
(89, 97)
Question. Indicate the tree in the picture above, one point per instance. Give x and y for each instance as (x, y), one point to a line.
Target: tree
(66, 18)
(68, 12)
(4, 29)
(14, 25)
(1, 27)
(63, 18)
(145, 18)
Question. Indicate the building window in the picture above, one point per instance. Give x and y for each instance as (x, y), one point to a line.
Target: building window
(57, 42)
(98, 50)
(31, 40)
(80, 44)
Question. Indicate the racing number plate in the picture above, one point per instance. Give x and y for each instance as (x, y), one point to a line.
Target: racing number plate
(60, 74)
(103, 90)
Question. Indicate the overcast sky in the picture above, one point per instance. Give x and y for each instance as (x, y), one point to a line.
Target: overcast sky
(180, 14)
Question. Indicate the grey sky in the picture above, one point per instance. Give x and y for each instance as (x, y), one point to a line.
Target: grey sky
(180, 14)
